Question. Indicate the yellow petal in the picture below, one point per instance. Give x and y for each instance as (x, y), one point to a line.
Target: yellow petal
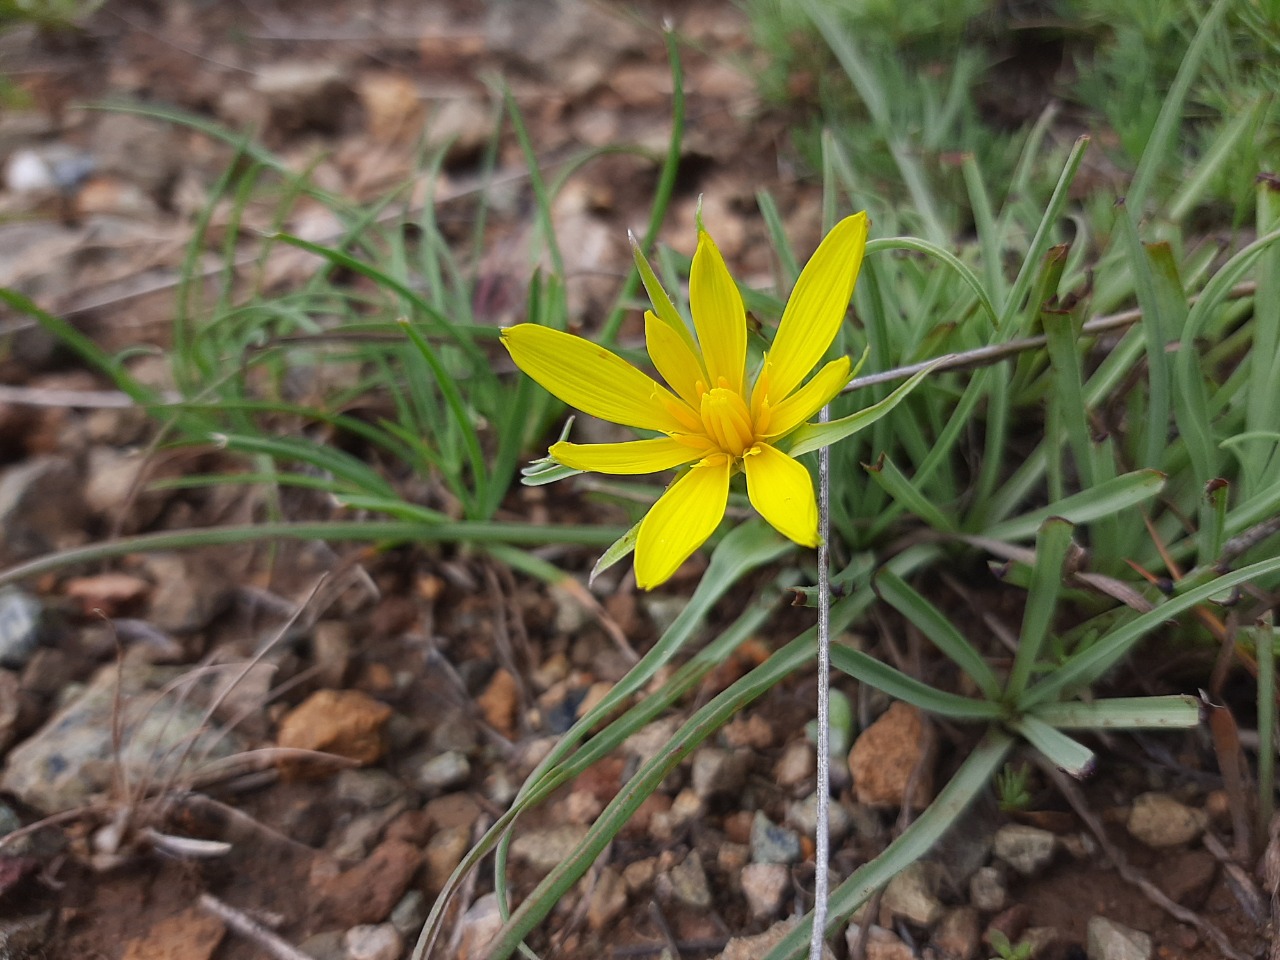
(817, 305)
(587, 376)
(718, 315)
(809, 399)
(682, 519)
(632, 456)
(675, 360)
(781, 490)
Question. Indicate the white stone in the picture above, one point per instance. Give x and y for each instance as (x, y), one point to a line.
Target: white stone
(912, 894)
(1027, 849)
(1108, 940)
(1158, 820)
(987, 891)
(765, 886)
(380, 941)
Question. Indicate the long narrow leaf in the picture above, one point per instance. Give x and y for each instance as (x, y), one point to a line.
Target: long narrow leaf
(939, 630)
(1122, 713)
(1086, 667)
(1066, 754)
(867, 669)
(1052, 544)
(1103, 500)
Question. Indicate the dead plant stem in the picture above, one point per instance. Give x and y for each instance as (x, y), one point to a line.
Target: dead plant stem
(249, 928)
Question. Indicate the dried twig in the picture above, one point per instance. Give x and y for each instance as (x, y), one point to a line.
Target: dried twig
(1238, 879)
(982, 356)
(250, 929)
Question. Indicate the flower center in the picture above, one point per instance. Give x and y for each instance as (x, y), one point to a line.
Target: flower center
(727, 421)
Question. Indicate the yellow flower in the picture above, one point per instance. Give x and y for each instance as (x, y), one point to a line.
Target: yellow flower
(710, 418)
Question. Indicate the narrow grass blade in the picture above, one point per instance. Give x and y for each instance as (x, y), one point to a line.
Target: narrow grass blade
(1222, 154)
(867, 669)
(1063, 752)
(943, 256)
(903, 491)
(1086, 667)
(1213, 526)
(1124, 491)
(1121, 713)
(348, 531)
(620, 549)
(441, 324)
(1041, 242)
(778, 236)
(941, 632)
(1052, 544)
(342, 465)
(878, 101)
(88, 351)
(453, 398)
(1264, 354)
(1160, 145)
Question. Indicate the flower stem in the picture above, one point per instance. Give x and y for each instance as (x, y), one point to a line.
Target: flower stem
(822, 833)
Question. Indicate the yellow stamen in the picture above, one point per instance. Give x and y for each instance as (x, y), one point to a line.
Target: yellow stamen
(727, 421)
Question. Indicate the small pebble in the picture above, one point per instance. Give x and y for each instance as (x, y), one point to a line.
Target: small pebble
(882, 944)
(607, 899)
(324, 946)
(987, 891)
(546, 848)
(771, 843)
(1027, 849)
(803, 815)
(19, 626)
(380, 941)
(732, 858)
(1158, 820)
(442, 772)
(368, 789)
(639, 874)
(717, 772)
(689, 883)
(797, 764)
(410, 913)
(765, 885)
(1108, 940)
(958, 934)
(912, 894)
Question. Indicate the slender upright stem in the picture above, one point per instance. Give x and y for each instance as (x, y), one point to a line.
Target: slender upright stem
(822, 838)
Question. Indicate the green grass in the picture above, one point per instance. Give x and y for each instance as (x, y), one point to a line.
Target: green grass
(1111, 441)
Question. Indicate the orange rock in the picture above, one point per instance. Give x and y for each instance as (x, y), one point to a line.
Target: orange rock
(190, 935)
(346, 723)
(369, 891)
(112, 593)
(393, 106)
(500, 701)
(889, 754)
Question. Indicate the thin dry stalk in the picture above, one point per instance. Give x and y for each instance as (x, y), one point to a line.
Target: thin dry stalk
(250, 929)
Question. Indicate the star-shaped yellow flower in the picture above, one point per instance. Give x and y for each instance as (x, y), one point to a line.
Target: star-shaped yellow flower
(710, 418)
